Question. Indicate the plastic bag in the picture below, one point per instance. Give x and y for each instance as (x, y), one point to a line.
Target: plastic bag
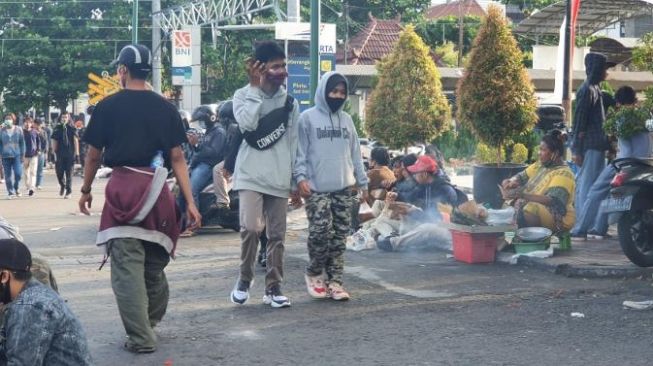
(361, 240)
(505, 216)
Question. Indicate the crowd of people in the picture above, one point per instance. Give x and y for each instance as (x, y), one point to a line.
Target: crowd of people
(29, 148)
(273, 156)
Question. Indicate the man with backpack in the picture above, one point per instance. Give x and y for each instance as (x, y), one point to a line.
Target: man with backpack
(267, 118)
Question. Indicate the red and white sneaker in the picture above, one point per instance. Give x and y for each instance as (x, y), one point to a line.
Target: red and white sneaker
(337, 292)
(315, 286)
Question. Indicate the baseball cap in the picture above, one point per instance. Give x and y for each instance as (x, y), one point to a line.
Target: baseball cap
(134, 56)
(14, 255)
(423, 164)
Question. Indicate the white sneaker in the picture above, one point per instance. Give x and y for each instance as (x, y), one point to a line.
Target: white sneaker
(67, 196)
(337, 292)
(275, 298)
(240, 293)
(18, 194)
(38, 188)
(315, 286)
(10, 197)
(2, 181)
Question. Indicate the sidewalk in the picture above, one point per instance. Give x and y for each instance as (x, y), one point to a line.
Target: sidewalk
(587, 258)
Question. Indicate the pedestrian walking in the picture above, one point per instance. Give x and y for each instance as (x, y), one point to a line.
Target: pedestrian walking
(43, 151)
(32, 151)
(267, 117)
(589, 143)
(65, 144)
(12, 149)
(329, 170)
(140, 221)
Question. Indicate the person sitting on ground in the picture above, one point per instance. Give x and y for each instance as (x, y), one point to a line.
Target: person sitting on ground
(222, 172)
(379, 175)
(39, 328)
(589, 221)
(543, 194)
(428, 193)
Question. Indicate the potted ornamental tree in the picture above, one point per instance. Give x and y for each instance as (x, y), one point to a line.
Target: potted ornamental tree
(496, 99)
(407, 105)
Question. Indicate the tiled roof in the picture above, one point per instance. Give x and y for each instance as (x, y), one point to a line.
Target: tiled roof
(454, 8)
(372, 43)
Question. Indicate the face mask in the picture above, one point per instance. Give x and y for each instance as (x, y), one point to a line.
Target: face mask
(5, 293)
(278, 77)
(334, 103)
(7, 123)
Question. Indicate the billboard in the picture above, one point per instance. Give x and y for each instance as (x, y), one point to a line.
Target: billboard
(182, 57)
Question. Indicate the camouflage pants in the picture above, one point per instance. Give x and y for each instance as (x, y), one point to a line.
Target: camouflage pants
(329, 220)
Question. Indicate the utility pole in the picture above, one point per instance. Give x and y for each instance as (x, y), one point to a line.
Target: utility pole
(156, 46)
(315, 46)
(135, 22)
(566, 72)
(460, 33)
(346, 10)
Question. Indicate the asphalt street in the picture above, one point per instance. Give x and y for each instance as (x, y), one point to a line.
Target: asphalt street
(410, 308)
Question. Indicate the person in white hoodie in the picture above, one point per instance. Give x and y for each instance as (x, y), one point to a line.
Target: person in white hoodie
(267, 118)
(330, 173)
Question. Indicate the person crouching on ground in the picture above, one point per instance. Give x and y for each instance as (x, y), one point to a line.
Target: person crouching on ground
(329, 170)
(543, 194)
(430, 189)
(39, 328)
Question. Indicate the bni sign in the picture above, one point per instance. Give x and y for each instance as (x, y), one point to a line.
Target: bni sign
(182, 57)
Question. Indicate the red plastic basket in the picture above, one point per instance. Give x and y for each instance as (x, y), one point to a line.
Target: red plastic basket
(474, 247)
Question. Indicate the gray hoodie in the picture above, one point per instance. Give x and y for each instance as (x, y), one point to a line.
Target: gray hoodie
(267, 171)
(328, 155)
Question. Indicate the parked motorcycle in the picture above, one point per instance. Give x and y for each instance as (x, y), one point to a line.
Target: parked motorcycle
(630, 205)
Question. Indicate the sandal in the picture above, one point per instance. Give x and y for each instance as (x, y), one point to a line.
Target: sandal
(187, 234)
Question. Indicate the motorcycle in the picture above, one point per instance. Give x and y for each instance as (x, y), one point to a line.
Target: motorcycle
(630, 205)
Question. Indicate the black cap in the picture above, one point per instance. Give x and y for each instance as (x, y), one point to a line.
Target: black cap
(135, 56)
(14, 255)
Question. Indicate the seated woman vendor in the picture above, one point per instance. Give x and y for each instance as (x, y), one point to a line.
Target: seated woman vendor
(543, 194)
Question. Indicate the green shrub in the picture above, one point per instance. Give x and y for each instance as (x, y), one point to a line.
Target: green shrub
(519, 154)
(486, 155)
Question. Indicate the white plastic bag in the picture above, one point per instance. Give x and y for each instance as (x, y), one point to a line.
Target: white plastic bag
(504, 216)
(361, 240)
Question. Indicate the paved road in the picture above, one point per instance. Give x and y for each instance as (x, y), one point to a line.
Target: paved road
(414, 308)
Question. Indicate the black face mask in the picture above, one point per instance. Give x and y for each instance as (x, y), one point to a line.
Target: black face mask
(5, 293)
(334, 103)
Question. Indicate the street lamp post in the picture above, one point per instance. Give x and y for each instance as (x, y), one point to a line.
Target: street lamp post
(315, 46)
(135, 22)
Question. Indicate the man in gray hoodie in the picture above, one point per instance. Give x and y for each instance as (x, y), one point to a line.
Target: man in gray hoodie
(329, 171)
(267, 118)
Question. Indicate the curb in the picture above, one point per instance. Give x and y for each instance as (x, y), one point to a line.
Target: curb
(568, 270)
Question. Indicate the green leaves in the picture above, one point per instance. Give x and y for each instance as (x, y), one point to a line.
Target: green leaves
(407, 105)
(627, 120)
(495, 96)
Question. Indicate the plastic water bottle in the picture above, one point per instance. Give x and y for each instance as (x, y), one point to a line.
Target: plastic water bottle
(158, 160)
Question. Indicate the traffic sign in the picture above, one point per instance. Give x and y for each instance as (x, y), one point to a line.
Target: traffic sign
(101, 86)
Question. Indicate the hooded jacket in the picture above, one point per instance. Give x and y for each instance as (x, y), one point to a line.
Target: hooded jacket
(587, 129)
(328, 155)
(265, 171)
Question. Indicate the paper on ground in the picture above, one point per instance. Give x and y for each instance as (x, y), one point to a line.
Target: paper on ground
(638, 305)
(536, 254)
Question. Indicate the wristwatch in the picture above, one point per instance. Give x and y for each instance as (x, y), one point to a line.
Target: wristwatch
(86, 191)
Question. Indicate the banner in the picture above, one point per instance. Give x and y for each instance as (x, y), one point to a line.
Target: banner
(181, 49)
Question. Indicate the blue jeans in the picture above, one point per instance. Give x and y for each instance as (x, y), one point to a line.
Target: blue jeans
(200, 177)
(588, 217)
(593, 164)
(13, 168)
(39, 170)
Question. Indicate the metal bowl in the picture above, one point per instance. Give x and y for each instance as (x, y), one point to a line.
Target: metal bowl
(533, 234)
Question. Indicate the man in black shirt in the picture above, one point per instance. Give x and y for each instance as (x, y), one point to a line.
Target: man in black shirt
(132, 127)
(65, 145)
